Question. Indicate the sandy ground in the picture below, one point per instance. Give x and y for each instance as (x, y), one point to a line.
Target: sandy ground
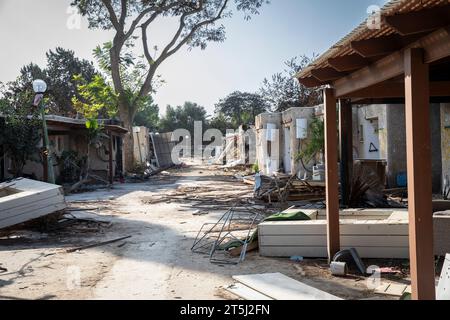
(155, 263)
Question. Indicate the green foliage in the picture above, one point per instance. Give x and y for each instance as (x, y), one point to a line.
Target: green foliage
(71, 165)
(182, 117)
(19, 127)
(96, 98)
(316, 144)
(61, 66)
(148, 114)
(255, 168)
(220, 122)
(241, 108)
(283, 91)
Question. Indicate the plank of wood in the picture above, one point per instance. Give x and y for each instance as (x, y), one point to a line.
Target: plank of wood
(392, 289)
(247, 293)
(280, 287)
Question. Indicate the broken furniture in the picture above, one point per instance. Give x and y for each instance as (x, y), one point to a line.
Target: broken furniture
(22, 200)
(228, 240)
(276, 286)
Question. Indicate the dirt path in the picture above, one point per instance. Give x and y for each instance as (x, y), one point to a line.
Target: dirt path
(156, 262)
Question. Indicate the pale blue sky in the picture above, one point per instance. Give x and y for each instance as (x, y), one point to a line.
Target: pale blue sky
(253, 50)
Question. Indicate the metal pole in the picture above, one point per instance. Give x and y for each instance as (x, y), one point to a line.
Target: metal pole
(51, 175)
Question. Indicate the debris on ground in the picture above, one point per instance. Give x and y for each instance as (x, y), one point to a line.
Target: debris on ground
(94, 245)
(277, 286)
(23, 200)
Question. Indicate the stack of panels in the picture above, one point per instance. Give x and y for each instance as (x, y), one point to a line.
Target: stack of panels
(371, 238)
(22, 200)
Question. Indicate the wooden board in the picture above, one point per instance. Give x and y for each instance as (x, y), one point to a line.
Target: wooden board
(29, 199)
(246, 293)
(280, 287)
(393, 289)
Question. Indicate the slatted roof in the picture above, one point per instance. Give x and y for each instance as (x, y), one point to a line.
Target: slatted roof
(353, 51)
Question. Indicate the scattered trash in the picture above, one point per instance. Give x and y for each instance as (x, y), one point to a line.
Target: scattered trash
(200, 213)
(338, 268)
(96, 244)
(352, 259)
(297, 258)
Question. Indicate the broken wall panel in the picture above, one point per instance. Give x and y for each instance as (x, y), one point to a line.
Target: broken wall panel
(162, 149)
(22, 200)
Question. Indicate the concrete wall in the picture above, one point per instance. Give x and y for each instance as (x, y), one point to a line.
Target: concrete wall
(384, 127)
(395, 137)
(269, 154)
(371, 130)
(141, 136)
(73, 140)
(291, 144)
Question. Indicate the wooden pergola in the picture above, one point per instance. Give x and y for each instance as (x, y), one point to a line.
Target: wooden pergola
(406, 60)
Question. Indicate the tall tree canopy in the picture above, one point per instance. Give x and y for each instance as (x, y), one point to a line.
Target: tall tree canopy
(182, 117)
(241, 108)
(283, 91)
(61, 66)
(198, 22)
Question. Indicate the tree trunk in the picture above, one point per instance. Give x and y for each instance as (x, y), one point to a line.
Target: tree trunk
(127, 116)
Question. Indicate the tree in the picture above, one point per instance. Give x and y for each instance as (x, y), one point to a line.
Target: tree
(283, 91)
(148, 115)
(19, 128)
(220, 122)
(182, 117)
(241, 108)
(61, 66)
(96, 98)
(198, 24)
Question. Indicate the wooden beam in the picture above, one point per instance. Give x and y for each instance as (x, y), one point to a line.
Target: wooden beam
(347, 63)
(346, 148)
(436, 46)
(327, 74)
(332, 184)
(420, 21)
(383, 45)
(310, 82)
(418, 145)
(397, 90)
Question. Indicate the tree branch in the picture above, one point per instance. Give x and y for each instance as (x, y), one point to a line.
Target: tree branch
(112, 15)
(195, 28)
(124, 12)
(170, 50)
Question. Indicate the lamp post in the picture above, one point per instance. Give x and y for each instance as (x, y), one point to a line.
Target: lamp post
(40, 87)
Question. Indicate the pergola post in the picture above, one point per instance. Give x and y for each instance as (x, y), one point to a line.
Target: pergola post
(418, 143)
(346, 148)
(331, 161)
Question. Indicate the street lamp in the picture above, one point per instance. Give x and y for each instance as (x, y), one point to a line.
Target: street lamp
(40, 87)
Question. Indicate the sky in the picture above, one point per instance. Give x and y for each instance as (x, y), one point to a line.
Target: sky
(253, 50)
